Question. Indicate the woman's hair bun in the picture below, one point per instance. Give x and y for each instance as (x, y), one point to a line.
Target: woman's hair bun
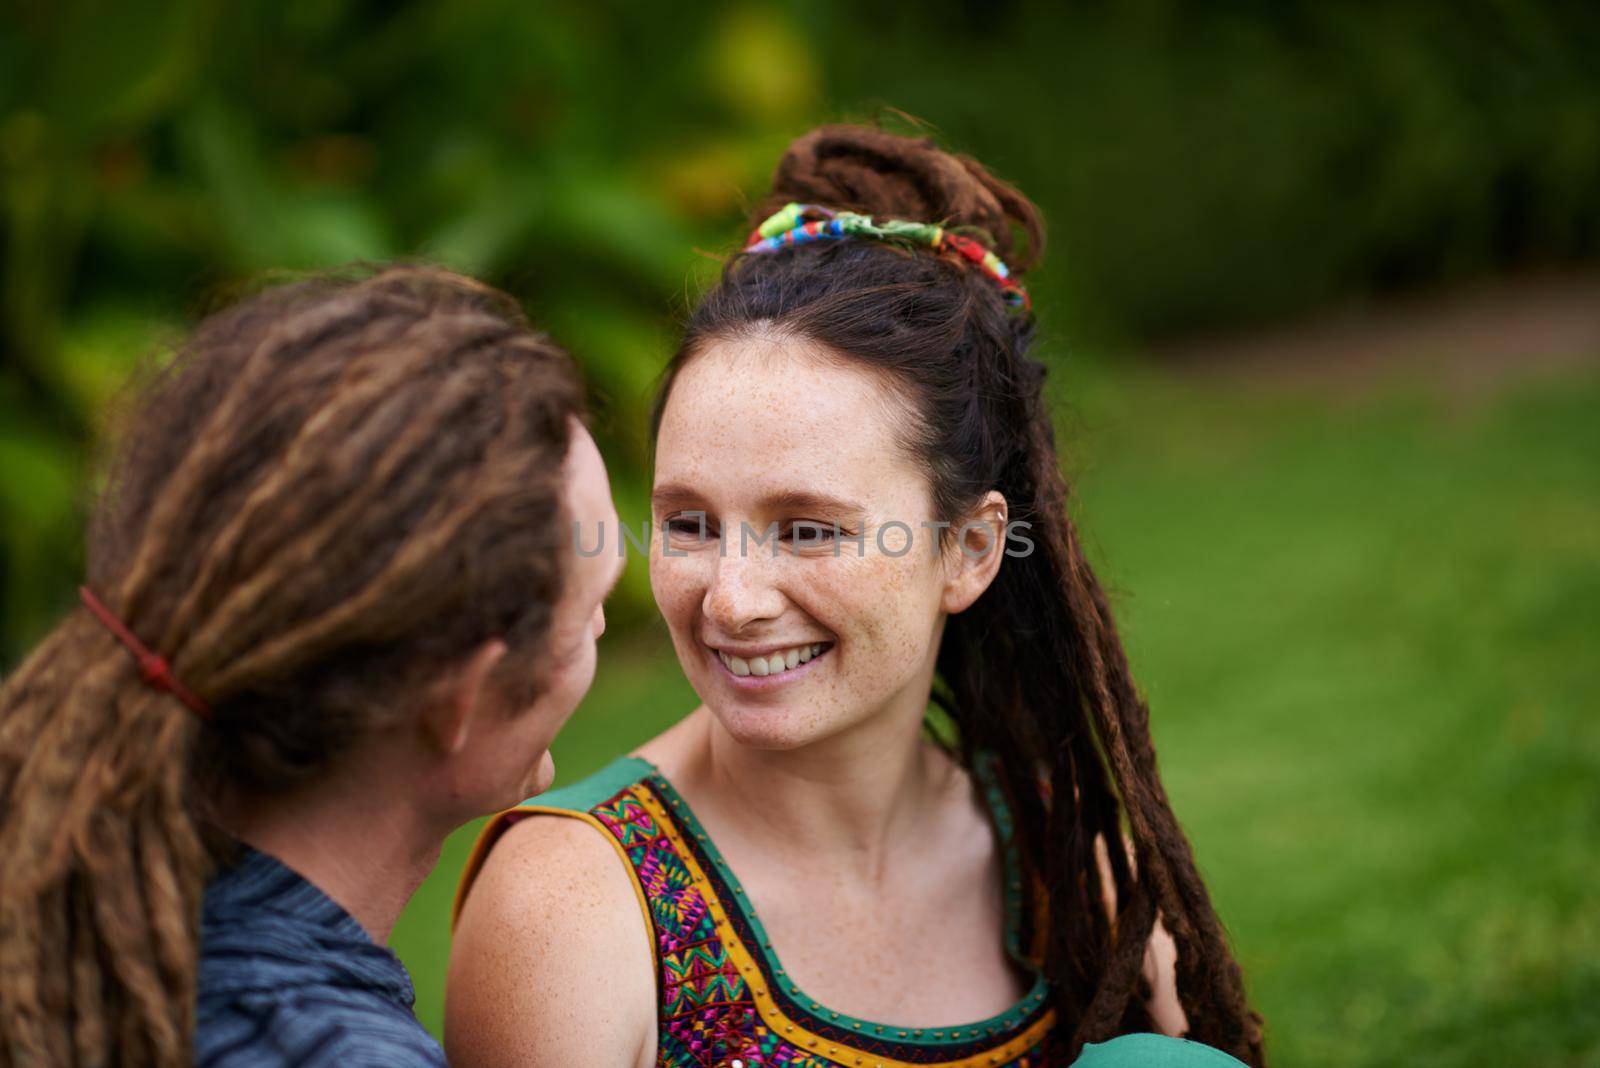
(871, 171)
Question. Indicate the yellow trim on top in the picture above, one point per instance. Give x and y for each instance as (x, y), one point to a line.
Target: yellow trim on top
(772, 1016)
(497, 826)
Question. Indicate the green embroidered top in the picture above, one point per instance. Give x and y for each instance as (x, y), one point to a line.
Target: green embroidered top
(725, 998)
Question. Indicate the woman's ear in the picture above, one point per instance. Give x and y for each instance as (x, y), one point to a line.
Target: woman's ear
(973, 558)
(463, 700)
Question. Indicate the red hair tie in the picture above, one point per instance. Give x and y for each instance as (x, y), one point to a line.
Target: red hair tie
(152, 668)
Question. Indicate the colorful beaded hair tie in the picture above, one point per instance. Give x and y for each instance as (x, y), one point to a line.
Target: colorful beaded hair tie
(795, 224)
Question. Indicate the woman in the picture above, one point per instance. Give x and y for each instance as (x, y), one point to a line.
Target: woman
(861, 511)
(331, 610)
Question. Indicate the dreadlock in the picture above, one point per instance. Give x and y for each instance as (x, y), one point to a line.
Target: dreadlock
(1034, 672)
(336, 488)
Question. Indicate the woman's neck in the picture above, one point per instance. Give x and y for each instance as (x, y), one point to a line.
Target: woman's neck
(847, 797)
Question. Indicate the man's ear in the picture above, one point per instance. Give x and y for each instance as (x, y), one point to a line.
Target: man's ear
(448, 721)
(973, 558)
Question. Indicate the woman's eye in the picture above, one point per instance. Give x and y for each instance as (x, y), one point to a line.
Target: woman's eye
(689, 526)
(804, 532)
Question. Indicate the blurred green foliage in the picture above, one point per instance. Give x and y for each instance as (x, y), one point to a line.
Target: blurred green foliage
(1199, 164)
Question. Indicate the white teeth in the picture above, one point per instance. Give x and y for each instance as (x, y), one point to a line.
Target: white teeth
(773, 663)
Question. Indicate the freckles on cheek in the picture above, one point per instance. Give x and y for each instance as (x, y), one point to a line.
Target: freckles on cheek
(676, 592)
(879, 598)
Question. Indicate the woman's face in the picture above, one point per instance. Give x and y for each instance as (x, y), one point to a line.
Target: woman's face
(797, 637)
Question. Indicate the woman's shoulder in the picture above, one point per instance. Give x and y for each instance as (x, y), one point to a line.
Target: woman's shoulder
(1152, 1051)
(515, 839)
(545, 867)
(552, 929)
(554, 844)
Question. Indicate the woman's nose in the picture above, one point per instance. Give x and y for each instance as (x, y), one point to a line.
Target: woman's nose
(743, 590)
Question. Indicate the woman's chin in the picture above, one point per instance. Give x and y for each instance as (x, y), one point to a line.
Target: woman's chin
(783, 726)
(771, 727)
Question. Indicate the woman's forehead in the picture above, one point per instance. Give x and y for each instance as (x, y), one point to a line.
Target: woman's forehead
(781, 393)
(760, 411)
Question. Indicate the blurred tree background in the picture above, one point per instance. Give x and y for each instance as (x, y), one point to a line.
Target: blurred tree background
(1366, 613)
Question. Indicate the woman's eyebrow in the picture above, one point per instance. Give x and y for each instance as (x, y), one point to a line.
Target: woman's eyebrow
(674, 495)
(806, 501)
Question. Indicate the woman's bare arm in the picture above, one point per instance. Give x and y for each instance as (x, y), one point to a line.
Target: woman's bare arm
(1161, 971)
(551, 960)
(1160, 954)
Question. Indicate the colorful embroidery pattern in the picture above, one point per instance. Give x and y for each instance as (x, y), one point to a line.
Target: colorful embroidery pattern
(725, 1003)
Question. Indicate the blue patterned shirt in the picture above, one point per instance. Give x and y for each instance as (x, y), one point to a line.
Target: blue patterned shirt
(287, 977)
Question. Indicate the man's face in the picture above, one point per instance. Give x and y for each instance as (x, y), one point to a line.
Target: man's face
(509, 751)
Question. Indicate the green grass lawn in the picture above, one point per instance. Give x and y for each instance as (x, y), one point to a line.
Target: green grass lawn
(1370, 633)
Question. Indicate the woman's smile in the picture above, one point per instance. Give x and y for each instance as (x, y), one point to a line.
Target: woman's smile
(768, 667)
